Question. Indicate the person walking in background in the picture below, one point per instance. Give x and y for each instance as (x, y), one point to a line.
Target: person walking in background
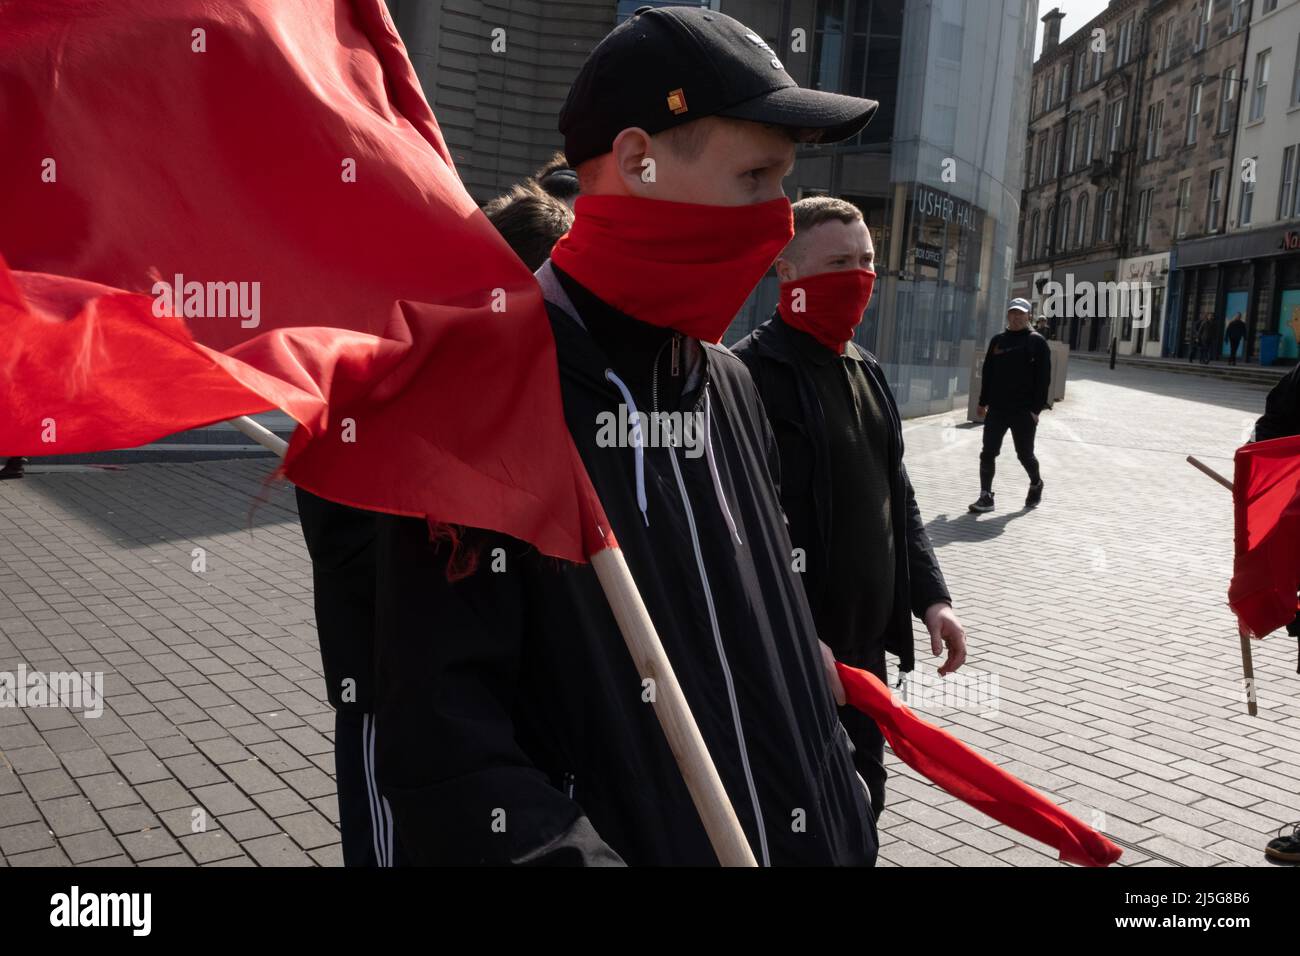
(14, 467)
(1207, 340)
(1236, 332)
(1013, 391)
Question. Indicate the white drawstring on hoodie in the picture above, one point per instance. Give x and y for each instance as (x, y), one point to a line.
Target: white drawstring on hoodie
(638, 447)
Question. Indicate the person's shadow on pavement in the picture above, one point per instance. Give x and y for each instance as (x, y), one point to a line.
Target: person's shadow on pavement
(969, 527)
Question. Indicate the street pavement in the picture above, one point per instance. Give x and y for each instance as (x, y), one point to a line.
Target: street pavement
(1104, 664)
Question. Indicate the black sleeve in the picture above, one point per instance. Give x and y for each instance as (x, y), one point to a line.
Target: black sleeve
(341, 542)
(448, 662)
(984, 374)
(926, 580)
(1281, 416)
(1042, 374)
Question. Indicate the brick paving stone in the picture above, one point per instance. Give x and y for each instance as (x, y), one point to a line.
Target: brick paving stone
(277, 850)
(309, 830)
(24, 838)
(132, 819)
(108, 790)
(83, 848)
(222, 798)
(68, 816)
(152, 844)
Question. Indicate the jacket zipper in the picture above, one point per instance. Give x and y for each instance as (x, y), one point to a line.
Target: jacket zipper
(717, 634)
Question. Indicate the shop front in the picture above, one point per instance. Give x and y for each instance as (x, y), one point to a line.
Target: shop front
(1253, 274)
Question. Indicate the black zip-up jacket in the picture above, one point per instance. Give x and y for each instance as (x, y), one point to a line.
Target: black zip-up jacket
(1017, 373)
(512, 726)
(789, 395)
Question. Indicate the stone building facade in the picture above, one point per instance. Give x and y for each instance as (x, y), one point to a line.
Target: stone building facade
(1080, 160)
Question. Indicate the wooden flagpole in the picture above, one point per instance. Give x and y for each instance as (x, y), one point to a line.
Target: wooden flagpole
(669, 702)
(1247, 657)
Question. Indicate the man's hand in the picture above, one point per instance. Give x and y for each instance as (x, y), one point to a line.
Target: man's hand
(944, 628)
(982, 411)
(1034, 416)
(832, 675)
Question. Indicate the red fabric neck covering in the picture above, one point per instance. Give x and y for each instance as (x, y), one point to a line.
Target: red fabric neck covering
(828, 306)
(680, 266)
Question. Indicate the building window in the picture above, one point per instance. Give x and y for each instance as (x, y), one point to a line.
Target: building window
(1144, 217)
(1238, 16)
(1155, 129)
(1125, 42)
(1193, 114)
(1227, 97)
(1184, 206)
(1049, 232)
(1285, 194)
(1115, 122)
(1048, 89)
(1042, 158)
(1261, 85)
(1072, 150)
(1203, 28)
(1033, 242)
(1167, 52)
(1058, 146)
(1295, 80)
(828, 45)
(1080, 69)
(1090, 145)
(1096, 66)
(1081, 222)
(1246, 210)
(1214, 207)
(1063, 242)
(1270, 6)
(1106, 217)
(1065, 82)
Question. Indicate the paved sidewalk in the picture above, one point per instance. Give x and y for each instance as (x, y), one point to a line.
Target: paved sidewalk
(1101, 614)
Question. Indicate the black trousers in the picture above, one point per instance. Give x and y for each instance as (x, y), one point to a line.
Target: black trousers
(365, 821)
(1021, 424)
(868, 741)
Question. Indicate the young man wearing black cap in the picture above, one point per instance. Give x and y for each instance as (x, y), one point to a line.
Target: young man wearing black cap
(1014, 387)
(512, 724)
(869, 565)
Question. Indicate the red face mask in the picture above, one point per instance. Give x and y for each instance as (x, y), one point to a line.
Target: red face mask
(680, 266)
(830, 306)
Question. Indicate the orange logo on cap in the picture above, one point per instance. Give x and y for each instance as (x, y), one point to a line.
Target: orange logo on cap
(677, 101)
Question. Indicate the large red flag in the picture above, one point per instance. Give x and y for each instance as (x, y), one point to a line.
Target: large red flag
(971, 778)
(270, 173)
(1266, 507)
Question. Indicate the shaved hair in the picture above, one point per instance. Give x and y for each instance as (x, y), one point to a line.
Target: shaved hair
(815, 210)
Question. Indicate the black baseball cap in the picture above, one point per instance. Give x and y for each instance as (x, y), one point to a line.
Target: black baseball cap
(666, 66)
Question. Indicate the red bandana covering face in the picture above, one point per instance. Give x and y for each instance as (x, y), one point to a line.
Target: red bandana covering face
(827, 306)
(681, 266)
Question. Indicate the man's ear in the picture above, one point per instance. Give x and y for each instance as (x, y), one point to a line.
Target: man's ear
(633, 165)
(785, 270)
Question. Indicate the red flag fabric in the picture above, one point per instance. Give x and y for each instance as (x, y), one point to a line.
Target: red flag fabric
(217, 209)
(971, 778)
(1266, 511)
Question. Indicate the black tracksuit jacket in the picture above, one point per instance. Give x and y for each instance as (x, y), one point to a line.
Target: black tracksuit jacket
(512, 726)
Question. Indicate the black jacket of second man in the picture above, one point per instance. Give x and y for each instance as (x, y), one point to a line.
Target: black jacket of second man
(790, 397)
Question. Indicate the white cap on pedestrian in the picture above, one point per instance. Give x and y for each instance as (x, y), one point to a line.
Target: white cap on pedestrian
(1019, 305)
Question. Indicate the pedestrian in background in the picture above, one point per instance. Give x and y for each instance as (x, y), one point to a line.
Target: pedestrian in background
(1013, 390)
(1236, 332)
(1207, 340)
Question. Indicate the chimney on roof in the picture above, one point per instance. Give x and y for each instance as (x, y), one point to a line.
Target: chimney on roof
(1052, 28)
